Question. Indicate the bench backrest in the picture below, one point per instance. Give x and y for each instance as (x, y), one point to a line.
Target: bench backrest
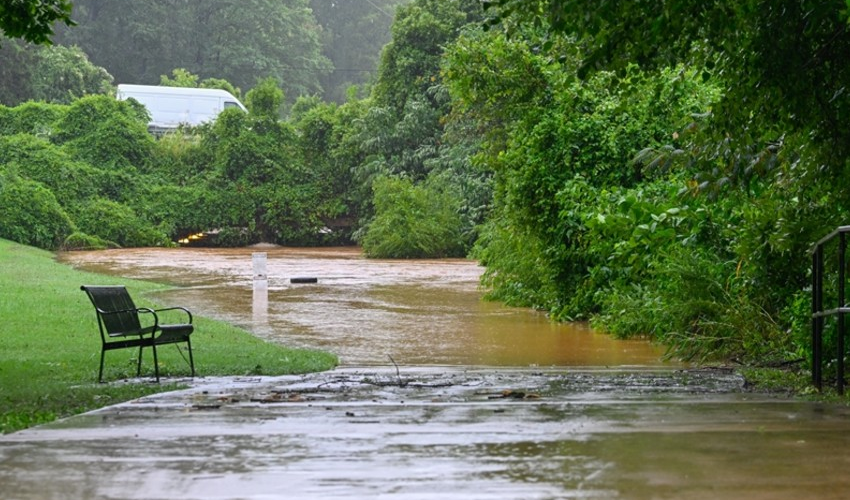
(109, 299)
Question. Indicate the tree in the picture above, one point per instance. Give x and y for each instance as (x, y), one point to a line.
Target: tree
(52, 73)
(265, 99)
(410, 63)
(353, 34)
(400, 133)
(63, 74)
(182, 77)
(782, 62)
(240, 42)
(33, 20)
(15, 73)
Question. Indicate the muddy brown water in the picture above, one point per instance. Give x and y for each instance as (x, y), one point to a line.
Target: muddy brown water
(549, 412)
(367, 311)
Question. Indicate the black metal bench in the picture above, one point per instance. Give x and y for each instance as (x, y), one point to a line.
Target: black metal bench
(121, 327)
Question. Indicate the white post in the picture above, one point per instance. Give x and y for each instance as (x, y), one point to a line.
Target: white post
(260, 301)
(259, 259)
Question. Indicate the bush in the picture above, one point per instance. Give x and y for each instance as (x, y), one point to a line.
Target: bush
(30, 214)
(413, 221)
(516, 270)
(699, 307)
(105, 132)
(265, 99)
(39, 160)
(36, 118)
(119, 225)
(176, 157)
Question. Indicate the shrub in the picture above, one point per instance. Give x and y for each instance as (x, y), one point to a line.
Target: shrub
(119, 224)
(39, 160)
(36, 118)
(413, 221)
(176, 156)
(30, 214)
(699, 307)
(105, 132)
(265, 99)
(516, 270)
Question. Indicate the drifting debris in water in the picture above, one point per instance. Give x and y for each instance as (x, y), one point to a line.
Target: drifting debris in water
(511, 394)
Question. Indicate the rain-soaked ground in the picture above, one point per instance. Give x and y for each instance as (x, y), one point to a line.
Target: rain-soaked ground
(504, 422)
(448, 433)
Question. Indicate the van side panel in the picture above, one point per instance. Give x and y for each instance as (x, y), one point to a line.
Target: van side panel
(170, 107)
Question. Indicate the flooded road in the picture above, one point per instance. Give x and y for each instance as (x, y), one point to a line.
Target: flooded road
(557, 414)
(452, 433)
(416, 311)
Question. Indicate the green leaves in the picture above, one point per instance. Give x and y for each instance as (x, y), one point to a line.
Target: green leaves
(265, 99)
(33, 20)
(30, 214)
(52, 74)
(413, 221)
(240, 42)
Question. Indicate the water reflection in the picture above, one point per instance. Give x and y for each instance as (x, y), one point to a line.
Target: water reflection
(364, 310)
(260, 303)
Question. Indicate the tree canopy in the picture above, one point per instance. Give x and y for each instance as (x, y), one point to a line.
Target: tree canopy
(782, 62)
(33, 20)
(353, 34)
(236, 41)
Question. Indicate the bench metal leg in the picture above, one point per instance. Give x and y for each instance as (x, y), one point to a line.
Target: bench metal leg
(191, 361)
(155, 363)
(100, 373)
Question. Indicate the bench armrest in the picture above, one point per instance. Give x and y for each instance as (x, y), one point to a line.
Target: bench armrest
(176, 308)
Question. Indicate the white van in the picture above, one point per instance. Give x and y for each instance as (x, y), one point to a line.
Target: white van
(170, 107)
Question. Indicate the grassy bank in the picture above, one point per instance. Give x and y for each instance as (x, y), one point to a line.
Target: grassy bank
(50, 347)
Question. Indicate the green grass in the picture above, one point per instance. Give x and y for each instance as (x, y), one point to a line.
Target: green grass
(50, 346)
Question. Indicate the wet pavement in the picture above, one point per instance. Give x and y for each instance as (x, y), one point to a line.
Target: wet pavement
(442, 432)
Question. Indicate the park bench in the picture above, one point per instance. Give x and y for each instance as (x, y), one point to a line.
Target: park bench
(121, 325)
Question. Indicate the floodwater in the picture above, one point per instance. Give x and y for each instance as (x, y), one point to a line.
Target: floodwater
(549, 412)
(368, 312)
(449, 433)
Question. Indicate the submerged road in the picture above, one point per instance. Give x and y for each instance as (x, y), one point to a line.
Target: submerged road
(421, 433)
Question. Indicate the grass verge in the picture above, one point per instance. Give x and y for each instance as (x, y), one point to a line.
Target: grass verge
(50, 346)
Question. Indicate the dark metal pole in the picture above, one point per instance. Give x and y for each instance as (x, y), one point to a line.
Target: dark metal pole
(817, 322)
(842, 247)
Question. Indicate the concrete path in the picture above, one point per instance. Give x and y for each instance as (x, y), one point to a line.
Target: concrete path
(441, 433)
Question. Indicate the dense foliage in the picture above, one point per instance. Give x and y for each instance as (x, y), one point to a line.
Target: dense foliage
(48, 73)
(660, 168)
(237, 41)
(761, 164)
(413, 221)
(104, 180)
(33, 20)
